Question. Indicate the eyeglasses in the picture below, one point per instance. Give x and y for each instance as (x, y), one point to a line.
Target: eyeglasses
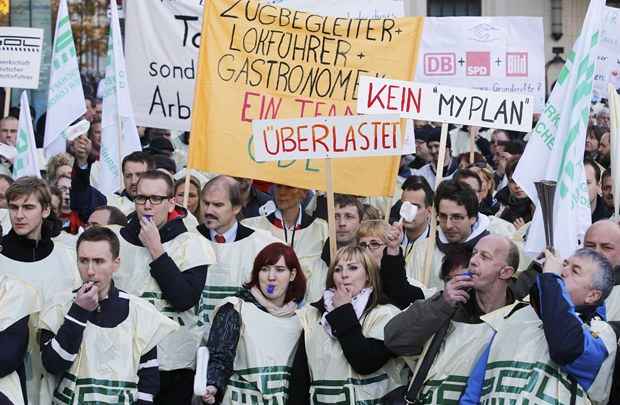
(153, 199)
(373, 245)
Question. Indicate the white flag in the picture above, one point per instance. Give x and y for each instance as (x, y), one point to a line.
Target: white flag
(26, 163)
(556, 147)
(119, 135)
(65, 100)
(614, 107)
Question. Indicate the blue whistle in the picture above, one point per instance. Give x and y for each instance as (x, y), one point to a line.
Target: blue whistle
(271, 288)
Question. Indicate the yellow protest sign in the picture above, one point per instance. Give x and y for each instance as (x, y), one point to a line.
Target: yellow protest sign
(259, 61)
(4, 7)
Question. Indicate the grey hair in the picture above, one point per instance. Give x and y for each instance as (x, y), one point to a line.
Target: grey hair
(603, 277)
(512, 256)
(232, 186)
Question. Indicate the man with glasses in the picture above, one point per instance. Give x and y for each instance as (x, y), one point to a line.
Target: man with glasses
(459, 224)
(167, 265)
(234, 244)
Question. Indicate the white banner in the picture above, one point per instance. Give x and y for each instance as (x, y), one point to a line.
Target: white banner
(26, 163)
(501, 54)
(65, 100)
(555, 149)
(327, 137)
(119, 135)
(445, 104)
(162, 40)
(20, 57)
(608, 54)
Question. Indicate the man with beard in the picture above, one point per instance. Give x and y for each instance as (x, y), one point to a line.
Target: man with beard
(459, 224)
(234, 244)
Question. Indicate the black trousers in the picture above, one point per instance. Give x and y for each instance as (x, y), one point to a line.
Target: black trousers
(176, 387)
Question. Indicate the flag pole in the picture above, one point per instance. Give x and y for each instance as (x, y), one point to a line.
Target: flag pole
(430, 245)
(7, 101)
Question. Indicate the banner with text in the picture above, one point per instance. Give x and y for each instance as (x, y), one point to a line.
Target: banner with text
(327, 137)
(608, 54)
(260, 61)
(20, 57)
(163, 39)
(445, 104)
(501, 54)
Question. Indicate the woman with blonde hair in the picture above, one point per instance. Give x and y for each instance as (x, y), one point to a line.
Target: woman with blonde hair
(341, 353)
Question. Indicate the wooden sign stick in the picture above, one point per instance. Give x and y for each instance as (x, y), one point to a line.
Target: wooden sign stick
(331, 209)
(430, 245)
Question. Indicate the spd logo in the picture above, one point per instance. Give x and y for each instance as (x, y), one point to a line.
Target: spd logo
(478, 63)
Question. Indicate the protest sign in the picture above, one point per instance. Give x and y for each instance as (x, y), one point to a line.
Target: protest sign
(164, 38)
(608, 54)
(556, 147)
(614, 107)
(260, 61)
(445, 104)
(20, 57)
(327, 137)
(65, 100)
(500, 54)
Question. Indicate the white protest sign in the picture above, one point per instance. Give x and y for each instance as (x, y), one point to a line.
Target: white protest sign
(162, 39)
(608, 54)
(327, 137)
(445, 104)
(500, 54)
(20, 57)
(74, 131)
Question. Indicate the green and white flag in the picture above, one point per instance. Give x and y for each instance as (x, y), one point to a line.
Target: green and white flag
(119, 134)
(26, 163)
(65, 100)
(556, 146)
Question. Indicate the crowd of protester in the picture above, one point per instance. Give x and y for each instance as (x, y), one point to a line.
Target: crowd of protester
(108, 298)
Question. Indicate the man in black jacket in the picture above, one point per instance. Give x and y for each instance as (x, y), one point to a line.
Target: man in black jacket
(167, 265)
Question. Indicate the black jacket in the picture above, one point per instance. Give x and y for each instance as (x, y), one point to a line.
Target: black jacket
(181, 289)
(365, 355)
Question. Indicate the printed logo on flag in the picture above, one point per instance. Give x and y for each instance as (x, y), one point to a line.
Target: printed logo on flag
(516, 64)
(439, 64)
(478, 63)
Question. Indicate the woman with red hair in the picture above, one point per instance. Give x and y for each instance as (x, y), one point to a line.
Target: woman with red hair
(254, 334)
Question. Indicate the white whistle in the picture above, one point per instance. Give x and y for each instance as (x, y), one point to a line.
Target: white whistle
(202, 363)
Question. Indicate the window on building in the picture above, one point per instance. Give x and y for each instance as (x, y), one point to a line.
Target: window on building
(613, 3)
(454, 8)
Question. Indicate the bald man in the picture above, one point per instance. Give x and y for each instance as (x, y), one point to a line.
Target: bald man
(467, 304)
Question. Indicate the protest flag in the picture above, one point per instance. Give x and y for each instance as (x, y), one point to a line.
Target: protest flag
(614, 106)
(556, 147)
(119, 135)
(65, 100)
(25, 163)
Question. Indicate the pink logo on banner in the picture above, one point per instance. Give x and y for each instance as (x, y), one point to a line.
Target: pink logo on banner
(478, 63)
(439, 64)
(516, 64)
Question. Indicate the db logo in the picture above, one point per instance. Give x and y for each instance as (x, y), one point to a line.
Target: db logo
(439, 64)
(478, 63)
